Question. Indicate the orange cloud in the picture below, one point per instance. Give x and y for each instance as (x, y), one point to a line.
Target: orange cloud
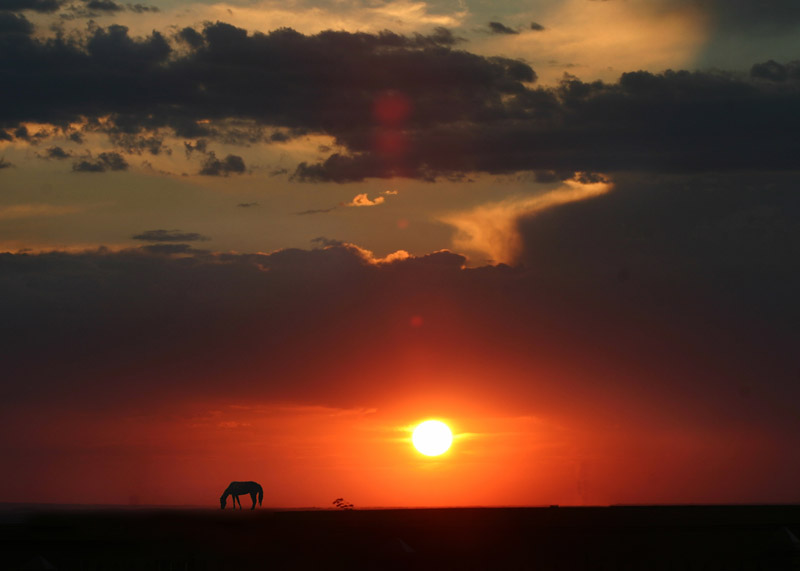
(491, 229)
(364, 200)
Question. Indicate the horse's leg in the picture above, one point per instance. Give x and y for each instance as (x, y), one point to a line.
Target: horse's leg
(240, 502)
(253, 497)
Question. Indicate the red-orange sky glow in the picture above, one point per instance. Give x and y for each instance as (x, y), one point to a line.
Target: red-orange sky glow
(543, 411)
(263, 242)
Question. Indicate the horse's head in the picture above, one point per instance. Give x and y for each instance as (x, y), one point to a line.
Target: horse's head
(222, 501)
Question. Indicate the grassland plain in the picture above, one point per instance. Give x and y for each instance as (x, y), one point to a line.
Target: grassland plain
(555, 538)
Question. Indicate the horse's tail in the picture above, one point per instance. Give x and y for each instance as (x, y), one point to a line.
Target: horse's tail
(260, 494)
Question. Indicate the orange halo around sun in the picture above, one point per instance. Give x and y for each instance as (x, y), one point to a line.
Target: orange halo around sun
(432, 438)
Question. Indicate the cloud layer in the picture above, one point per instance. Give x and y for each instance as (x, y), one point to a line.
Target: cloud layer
(465, 113)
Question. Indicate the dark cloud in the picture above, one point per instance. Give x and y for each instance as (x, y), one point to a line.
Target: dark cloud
(142, 8)
(344, 168)
(103, 162)
(81, 78)
(104, 5)
(247, 204)
(466, 112)
(440, 37)
(498, 28)
(32, 5)
(537, 27)
(442, 258)
(137, 144)
(23, 133)
(710, 235)
(88, 166)
(113, 161)
(170, 236)
(57, 153)
(14, 28)
(279, 137)
(4, 164)
(213, 166)
(192, 37)
(200, 146)
(674, 121)
(774, 71)
(141, 89)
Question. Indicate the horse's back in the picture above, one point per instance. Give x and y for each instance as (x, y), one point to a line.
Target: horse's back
(244, 486)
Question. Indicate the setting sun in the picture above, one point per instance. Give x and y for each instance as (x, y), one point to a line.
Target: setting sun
(432, 438)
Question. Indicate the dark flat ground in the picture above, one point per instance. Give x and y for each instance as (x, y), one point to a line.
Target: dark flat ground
(637, 537)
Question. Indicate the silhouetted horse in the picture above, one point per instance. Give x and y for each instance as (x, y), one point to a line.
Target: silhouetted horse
(238, 488)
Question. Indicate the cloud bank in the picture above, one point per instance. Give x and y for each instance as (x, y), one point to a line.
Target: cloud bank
(465, 113)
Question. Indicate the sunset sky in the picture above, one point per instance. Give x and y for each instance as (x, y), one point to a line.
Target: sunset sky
(262, 240)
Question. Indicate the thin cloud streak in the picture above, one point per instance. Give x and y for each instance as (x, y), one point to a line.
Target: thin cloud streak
(359, 201)
(16, 211)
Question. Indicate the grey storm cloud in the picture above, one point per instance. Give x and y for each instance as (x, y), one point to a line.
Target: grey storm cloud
(169, 236)
(468, 112)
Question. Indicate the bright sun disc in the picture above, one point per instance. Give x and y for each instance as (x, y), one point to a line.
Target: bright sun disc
(432, 438)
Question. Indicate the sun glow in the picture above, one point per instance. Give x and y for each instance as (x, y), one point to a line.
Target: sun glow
(432, 438)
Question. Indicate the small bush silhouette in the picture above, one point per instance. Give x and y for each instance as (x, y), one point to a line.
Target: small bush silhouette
(342, 504)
